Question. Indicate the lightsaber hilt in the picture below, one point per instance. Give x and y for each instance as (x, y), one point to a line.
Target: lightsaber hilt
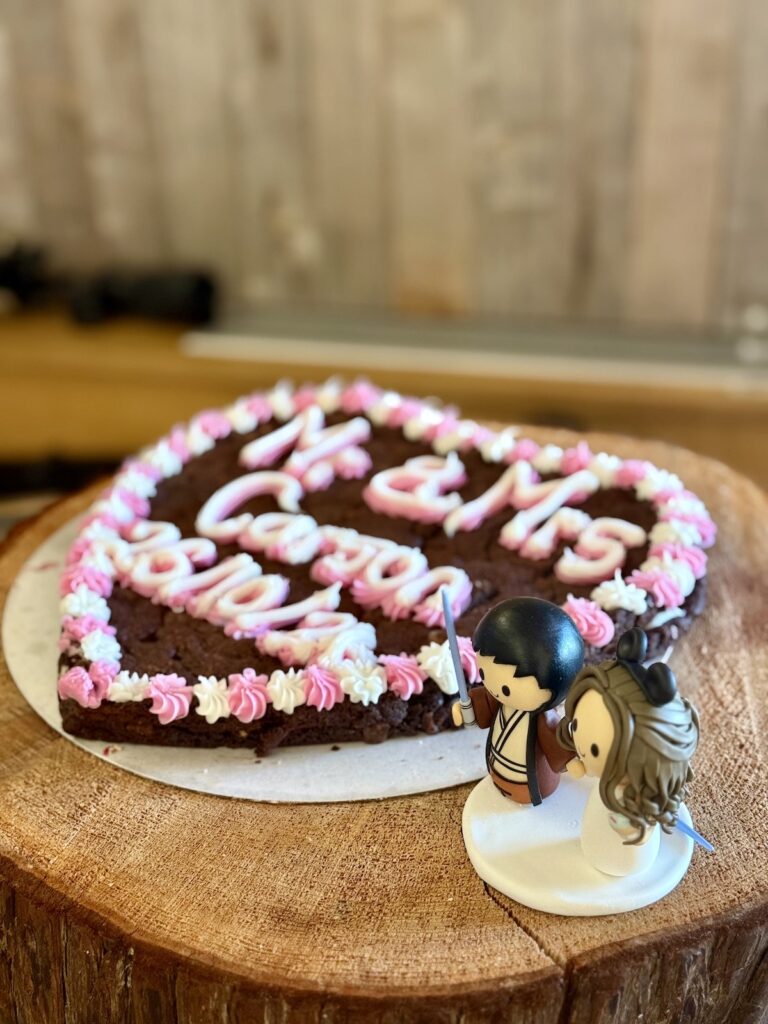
(467, 712)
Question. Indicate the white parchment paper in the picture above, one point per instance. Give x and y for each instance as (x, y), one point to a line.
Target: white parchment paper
(316, 774)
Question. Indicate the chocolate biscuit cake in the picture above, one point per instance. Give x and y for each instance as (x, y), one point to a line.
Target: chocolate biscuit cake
(270, 573)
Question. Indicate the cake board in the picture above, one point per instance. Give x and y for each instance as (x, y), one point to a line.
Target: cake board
(125, 900)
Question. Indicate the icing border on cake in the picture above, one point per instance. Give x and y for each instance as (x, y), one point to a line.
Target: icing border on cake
(676, 559)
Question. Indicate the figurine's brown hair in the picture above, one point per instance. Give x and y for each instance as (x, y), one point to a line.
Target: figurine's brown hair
(647, 770)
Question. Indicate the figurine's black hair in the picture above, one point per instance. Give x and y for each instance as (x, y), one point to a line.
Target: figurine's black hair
(538, 637)
(658, 681)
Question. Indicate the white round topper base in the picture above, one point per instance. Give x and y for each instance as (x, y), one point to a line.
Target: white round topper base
(533, 854)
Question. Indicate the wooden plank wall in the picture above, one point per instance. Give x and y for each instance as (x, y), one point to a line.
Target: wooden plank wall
(599, 159)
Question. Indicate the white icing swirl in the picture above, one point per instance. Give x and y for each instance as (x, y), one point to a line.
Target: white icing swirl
(83, 601)
(328, 395)
(116, 507)
(98, 558)
(684, 506)
(98, 530)
(617, 593)
(127, 686)
(436, 661)
(362, 682)
(383, 408)
(286, 690)
(416, 427)
(161, 456)
(243, 420)
(548, 459)
(656, 480)
(675, 531)
(99, 646)
(680, 572)
(281, 400)
(137, 483)
(498, 447)
(197, 440)
(212, 700)
(605, 467)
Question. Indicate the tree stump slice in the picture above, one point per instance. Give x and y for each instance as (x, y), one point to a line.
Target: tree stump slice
(124, 901)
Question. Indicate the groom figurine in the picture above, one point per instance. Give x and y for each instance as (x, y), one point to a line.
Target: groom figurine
(528, 653)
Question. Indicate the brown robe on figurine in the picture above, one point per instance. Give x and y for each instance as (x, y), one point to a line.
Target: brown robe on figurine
(549, 757)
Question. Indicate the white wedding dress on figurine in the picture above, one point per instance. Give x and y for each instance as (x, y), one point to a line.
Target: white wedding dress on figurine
(534, 854)
(605, 849)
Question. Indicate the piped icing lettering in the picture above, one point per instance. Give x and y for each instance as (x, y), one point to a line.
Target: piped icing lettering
(317, 453)
(328, 655)
(600, 551)
(420, 490)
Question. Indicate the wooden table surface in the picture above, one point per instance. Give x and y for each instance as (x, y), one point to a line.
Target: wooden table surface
(105, 391)
(123, 901)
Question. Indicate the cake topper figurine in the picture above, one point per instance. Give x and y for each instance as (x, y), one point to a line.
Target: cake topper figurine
(528, 652)
(630, 728)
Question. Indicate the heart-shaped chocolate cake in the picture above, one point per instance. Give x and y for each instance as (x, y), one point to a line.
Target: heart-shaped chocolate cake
(271, 573)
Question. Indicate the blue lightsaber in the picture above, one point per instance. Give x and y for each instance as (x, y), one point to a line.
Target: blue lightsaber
(467, 711)
(694, 835)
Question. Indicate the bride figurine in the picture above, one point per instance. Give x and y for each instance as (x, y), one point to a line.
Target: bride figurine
(630, 728)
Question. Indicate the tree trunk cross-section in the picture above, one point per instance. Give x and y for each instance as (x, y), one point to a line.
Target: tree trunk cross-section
(123, 901)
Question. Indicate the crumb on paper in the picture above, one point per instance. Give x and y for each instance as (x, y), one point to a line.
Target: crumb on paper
(335, 747)
(111, 749)
(45, 566)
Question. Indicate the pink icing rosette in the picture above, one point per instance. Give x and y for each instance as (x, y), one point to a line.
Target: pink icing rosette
(247, 695)
(576, 458)
(85, 575)
(481, 435)
(139, 466)
(77, 685)
(177, 442)
(214, 423)
(445, 426)
(304, 397)
(525, 450)
(135, 502)
(444, 422)
(322, 688)
(102, 673)
(171, 697)
(78, 550)
(81, 625)
(468, 659)
(631, 472)
(694, 558)
(359, 396)
(406, 410)
(664, 590)
(404, 675)
(595, 627)
(258, 406)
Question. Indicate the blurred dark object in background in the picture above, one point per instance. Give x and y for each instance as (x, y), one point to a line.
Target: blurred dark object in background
(54, 474)
(26, 487)
(182, 296)
(24, 280)
(176, 295)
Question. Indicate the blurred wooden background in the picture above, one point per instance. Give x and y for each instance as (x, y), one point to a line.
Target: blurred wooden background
(572, 158)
